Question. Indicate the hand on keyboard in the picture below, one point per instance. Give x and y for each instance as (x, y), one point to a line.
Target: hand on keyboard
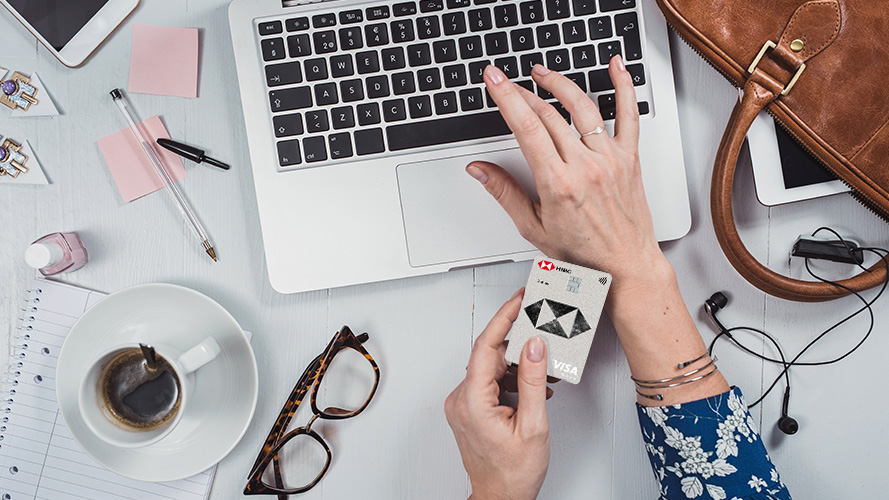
(592, 209)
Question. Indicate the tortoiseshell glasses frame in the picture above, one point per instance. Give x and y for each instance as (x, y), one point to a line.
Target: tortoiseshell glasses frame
(310, 379)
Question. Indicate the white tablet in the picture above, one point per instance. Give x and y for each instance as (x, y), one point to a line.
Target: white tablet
(782, 170)
(71, 29)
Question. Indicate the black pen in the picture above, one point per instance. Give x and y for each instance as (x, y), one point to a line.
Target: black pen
(192, 153)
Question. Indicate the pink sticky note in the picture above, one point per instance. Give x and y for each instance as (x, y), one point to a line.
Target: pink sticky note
(132, 170)
(164, 61)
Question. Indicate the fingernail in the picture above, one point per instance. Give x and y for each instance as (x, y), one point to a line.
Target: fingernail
(495, 75)
(476, 172)
(535, 350)
(517, 293)
(540, 70)
(620, 63)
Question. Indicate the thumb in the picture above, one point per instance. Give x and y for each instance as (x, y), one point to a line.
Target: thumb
(504, 188)
(531, 382)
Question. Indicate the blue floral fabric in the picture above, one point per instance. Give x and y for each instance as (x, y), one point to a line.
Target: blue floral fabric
(709, 450)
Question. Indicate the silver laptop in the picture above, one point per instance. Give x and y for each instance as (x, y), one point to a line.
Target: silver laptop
(361, 117)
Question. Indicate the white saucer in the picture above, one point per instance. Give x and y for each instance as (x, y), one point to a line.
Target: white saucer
(226, 389)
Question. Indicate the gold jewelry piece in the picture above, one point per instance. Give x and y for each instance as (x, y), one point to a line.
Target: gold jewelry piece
(17, 92)
(12, 160)
(596, 131)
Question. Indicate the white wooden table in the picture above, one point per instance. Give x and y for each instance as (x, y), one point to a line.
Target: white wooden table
(422, 328)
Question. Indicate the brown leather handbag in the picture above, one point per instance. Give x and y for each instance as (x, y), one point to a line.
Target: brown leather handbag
(821, 68)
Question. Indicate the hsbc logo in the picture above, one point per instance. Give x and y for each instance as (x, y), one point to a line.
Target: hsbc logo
(549, 266)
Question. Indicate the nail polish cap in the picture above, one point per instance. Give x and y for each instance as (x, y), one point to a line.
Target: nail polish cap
(40, 255)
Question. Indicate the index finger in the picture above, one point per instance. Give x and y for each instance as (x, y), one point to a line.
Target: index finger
(532, 136)
(486, 358)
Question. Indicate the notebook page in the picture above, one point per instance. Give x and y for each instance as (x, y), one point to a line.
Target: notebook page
(38, 457)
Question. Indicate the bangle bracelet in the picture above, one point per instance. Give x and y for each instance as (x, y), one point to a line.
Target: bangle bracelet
(660, 397)
(684, 375)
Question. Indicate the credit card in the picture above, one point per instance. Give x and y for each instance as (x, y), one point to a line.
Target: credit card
(562, 306)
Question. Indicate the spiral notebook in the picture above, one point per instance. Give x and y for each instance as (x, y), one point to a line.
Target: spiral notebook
(38, 457)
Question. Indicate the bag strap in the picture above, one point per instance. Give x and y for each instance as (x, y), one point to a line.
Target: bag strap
(760, 90)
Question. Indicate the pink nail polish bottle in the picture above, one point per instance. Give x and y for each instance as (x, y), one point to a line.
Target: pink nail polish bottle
(56, 253)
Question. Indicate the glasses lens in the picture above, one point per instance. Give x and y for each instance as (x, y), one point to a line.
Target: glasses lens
(300, 461)
(347, 383)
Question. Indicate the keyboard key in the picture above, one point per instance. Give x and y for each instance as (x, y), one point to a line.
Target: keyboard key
(351, 16)
(369, 141)
(283, 74)
(376, 34)
(403, 83)
(600, 80)
(325, 41)
(471, 99)
(420, 106)
(584, 56)
(445, 103)
(287, 99)
(316, 121)
(298, 45)
(316, 69)
(584, 7)
(543, 93)
(340, 145)
(394, 111)
(444, 51)
(637, 71)
(368, 113)
(480, 20)
(429, 79)
(377, 87)
(509, 66)
(272, 49)
(288, 153)
(453, 23)
(574, 32)
(611, 5)
(557, 9)
(404, 9)
(431, 5)
(270, 28)
(297, 24)
(600, 27)
(374, 13)
(341, 65)
(287, 125)
(314, 149)
(454, 75)
(627, 26)
(367, 62)
(532, 12)
(579, 79)
(558, 60)
(351, 90)
(446, 130)
(325, 93)
(607, 50)
(482, 2)
(607, 106)
(506, 15)
(342, 117)
(527, 62)
(562, 111)
(522, 39)
(323, 20)
(471, 47)
(477, 70)
(496, 43)
(428, 27)
(528, 84)
(643, 107)
(419, 55)
(402, 31)
(350, 38)
(456, 4)
(548, 35)
(393, 58)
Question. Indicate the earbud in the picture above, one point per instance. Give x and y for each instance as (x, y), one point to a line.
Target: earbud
(716, 302)
(786, 423)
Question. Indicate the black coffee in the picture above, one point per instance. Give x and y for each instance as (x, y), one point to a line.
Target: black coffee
(139, 398)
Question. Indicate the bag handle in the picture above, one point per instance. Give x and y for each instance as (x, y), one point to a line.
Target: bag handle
(760, 90)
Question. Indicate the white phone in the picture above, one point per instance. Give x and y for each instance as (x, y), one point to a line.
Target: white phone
(71, 29)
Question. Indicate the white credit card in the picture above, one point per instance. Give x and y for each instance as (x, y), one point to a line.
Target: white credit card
(562, 306)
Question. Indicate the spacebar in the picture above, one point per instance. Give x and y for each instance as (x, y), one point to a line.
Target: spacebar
(446, 130)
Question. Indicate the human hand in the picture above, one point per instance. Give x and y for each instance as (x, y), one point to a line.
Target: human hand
(592, 208)
(505, 450)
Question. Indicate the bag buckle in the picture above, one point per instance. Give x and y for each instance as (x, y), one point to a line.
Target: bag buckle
(771, 45)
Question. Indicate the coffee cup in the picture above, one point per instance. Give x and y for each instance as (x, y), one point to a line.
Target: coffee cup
(133, 395)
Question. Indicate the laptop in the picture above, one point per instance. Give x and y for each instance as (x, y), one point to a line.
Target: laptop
(362, 115)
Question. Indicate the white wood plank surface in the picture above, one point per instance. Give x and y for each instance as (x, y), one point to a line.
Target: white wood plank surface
(422, 329)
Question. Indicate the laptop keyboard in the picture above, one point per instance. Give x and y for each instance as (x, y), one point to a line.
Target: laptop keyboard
(391, 78)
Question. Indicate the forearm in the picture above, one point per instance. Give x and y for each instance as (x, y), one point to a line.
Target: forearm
(657, 333)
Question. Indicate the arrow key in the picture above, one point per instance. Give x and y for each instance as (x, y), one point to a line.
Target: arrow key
(288, 125)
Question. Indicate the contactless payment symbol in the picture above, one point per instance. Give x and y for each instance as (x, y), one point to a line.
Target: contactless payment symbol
(546, 265)
(557, 318)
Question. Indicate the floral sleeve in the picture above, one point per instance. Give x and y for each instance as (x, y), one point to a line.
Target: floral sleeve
(709, 449)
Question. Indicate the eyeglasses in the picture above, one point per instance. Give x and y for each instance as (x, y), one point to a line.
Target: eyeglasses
(289, 448)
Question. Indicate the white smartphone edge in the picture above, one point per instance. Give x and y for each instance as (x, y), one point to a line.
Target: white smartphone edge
(93, 34)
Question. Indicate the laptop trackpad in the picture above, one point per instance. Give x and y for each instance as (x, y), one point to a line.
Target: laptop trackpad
(450, 217)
